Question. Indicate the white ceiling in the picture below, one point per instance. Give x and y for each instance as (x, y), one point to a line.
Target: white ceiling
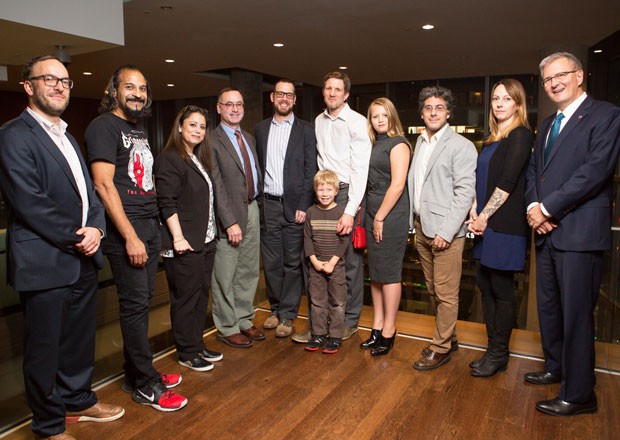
(378, 40)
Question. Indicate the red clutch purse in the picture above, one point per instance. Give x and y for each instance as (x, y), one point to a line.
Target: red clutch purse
(359, 233)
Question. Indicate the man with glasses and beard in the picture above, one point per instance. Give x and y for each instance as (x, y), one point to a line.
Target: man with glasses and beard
(286, 149)
(121, 164)
(55, 227)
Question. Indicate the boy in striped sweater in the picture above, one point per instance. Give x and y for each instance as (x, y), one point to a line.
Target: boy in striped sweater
(327, 284)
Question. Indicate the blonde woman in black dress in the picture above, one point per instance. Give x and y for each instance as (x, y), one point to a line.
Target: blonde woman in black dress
(387, 220)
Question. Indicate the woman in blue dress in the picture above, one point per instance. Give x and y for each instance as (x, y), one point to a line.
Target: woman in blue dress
(498, 221)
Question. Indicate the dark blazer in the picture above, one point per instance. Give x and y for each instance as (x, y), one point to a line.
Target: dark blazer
(182, 190)
(575, 184)
(231, 195)
(299, 164)
(44, 207)
(507, 172)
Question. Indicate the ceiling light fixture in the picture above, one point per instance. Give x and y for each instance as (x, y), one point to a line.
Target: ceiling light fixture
(278, 44)
(169, 60)
(87, 73)
(428, 27)
(343, 67)
(170, 85)
(598, 51)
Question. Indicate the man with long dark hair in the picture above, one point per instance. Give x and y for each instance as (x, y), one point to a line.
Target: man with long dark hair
(121, 163)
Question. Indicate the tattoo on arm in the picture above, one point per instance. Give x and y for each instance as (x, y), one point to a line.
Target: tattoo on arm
(496, 200)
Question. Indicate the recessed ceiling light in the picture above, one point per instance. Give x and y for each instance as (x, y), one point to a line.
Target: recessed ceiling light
(343, 67)
(169, 60)
(278, 44)
(598, 51)
(170, 85)
(87, 73)
(21, 82)
(428, 27)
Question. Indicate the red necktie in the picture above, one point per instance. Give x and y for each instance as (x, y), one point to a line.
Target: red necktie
(247, 165)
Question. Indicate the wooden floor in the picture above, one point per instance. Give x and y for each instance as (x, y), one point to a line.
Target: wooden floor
(277, 390)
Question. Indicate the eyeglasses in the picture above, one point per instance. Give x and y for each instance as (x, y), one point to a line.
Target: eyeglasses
(557, 77)
(279, 94)
(52, 81)
(231, 105)
(438, 108)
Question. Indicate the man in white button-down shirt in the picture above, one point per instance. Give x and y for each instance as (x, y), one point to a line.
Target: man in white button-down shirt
(343, 146)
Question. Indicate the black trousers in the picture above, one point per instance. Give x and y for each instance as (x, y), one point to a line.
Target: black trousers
(135, 290)
(59, 350)
(189, 281)
(567, 288)
(282, 244)
(499, 305)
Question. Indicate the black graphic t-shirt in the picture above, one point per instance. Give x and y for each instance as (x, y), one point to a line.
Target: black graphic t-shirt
(117, 141)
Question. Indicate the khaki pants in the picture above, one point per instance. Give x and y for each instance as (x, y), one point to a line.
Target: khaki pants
(442, 271)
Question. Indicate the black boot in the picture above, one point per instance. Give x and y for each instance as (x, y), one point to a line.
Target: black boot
(478, 362)
(383, 345)
(489, 366)
(372, 341)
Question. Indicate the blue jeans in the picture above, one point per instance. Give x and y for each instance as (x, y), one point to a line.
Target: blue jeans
(135, 289)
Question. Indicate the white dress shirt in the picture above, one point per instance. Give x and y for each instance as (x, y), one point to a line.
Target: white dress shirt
(343, 146)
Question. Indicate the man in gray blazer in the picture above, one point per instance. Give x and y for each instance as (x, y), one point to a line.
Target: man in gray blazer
(237, 182)
(442, 189)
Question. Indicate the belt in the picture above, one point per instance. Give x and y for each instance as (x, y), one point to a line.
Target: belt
(274, 198)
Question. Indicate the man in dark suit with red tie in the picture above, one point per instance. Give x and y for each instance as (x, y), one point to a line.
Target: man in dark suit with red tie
(569, 197)
(287, 156)
(237, 182)
(55, 227)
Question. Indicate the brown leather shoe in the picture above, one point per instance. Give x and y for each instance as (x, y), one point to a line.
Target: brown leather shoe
(62, 436)
(99, 412)
(254, 334)
(236, 340)
(430, 359)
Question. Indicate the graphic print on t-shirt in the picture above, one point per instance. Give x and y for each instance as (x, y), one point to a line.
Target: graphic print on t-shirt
(140, 164)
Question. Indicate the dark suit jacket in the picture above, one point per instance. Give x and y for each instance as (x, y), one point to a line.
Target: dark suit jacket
(575, 184)
(231, 195)
(182, 190)
(507, 172)
(299, 164)
(44, 207)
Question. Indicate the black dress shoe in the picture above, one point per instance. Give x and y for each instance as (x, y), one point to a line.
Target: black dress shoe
(543, 378)
(558, 407)
(370, 342)
(476, 363)
(488, 367)
(383, 345)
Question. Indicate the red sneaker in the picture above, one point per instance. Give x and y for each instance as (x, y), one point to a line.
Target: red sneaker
(171, 380)
(159, 397)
